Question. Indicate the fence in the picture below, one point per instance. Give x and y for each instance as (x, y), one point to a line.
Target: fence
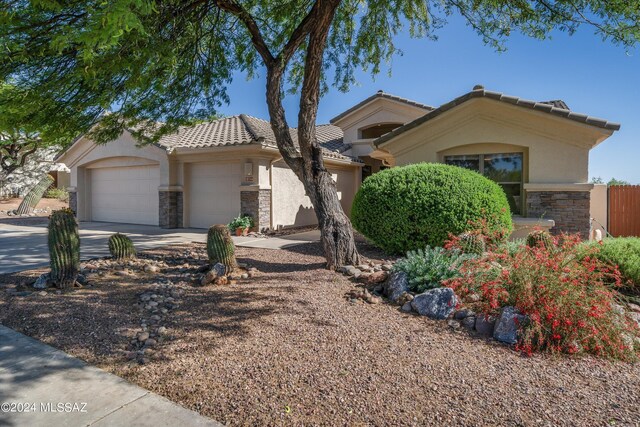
(624, 210)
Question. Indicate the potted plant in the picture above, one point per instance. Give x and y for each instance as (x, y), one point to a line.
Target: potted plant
(241, 224)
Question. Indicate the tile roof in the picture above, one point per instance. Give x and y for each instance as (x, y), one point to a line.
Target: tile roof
(384, 95)
(557, 107)
(242, 130)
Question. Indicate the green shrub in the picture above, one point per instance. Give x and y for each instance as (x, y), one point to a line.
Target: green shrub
(625, 253)
(57, 193)
(410, 207)
(427, 268)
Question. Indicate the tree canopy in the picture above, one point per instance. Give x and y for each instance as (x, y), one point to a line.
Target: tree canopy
(172, 60)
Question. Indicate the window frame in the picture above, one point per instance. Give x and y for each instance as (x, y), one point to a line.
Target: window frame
(481, 162)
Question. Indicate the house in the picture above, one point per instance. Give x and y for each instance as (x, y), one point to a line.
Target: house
(209, 173)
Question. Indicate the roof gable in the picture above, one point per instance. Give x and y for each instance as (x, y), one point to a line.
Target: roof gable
(552, 107)
(377, 96)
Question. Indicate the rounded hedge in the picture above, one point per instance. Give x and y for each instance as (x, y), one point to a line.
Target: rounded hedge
(409, 207)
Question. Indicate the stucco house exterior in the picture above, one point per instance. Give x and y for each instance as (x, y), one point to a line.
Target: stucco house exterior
(209, 173)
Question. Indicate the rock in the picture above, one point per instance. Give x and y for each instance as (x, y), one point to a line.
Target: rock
(162, 330)
(472, 297)
(387, 267)
(82, 280)
(454, 324)
(219, 269)
(396, 285)
(436, 303)
(506, 329)
(221, 281)
(149, 268)
(469, 322)
(143, 336)
(377, 277)
(43, 281)
(350, 270)
(374, 300)
(244, 276)
(42, 293)
(150, 342)
(461, 314)
(635, 316)
(485, 325)
(405, 297)
(209, 277)
(406, 307)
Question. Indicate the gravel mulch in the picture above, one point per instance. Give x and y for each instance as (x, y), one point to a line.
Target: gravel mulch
(287, 348)
(44, 208)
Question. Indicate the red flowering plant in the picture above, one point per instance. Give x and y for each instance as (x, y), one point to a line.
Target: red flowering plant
(564, 293)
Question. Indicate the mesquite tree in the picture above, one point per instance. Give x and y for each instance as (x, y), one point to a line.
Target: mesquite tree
(171, 60)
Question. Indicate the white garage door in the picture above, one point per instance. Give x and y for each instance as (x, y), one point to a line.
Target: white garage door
(214, 193)
(125, 194)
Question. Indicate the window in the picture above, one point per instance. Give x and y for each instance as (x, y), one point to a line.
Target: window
(505, 169)
(377, 131)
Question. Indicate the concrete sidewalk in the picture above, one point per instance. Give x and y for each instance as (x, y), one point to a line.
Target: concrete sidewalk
(46, 379)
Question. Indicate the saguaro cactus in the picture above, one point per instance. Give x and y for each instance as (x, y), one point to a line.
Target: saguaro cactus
(540, 238)
(121, 247)
(220, 247)
(64, 248)
(34, 195)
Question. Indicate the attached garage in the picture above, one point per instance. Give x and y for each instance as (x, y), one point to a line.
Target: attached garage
(125, 194)
(213, 193)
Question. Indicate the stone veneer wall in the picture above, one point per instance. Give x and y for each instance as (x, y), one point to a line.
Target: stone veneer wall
(73, 202)
(171, 210)
(257, 204)
(569, 210)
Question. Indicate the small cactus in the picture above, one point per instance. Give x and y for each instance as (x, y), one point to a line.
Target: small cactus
(121, 247)
(34, 195)
(220, 247)
(472, 243)
(540, 238)
(64, 248)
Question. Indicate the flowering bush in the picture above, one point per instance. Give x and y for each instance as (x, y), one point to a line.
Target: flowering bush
(563, 292)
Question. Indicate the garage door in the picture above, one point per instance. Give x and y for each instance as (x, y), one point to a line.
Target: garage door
(214, 193)
(125, 194)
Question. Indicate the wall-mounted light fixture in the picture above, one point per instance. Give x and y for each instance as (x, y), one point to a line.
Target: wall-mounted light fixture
(248, 171)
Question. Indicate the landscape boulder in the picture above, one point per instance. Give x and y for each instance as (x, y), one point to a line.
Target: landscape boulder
(396, 285)
(436, 303)
(485, 325)
(507, 325)
(43, 281)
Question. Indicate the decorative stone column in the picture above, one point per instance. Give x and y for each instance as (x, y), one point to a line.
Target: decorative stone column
(73, 199)
(256, 202)
(170, 207)
(568, 205)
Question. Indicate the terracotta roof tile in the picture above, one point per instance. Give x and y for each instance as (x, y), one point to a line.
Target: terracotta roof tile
(243, 129)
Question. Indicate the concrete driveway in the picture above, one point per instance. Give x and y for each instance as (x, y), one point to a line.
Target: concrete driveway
(25, 247)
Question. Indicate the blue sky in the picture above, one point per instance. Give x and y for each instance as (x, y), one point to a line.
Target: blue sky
(590, 75)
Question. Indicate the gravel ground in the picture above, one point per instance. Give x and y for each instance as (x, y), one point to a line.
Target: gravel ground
(287, 348)
(38, 218)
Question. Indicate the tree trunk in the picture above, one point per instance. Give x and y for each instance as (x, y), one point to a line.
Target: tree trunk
(306, 160)
(335, 227)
